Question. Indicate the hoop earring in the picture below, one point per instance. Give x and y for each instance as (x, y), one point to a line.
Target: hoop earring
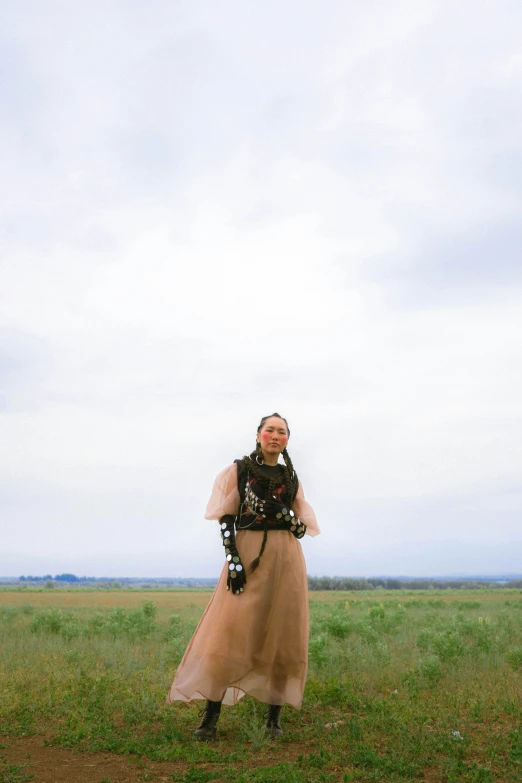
(257, 460)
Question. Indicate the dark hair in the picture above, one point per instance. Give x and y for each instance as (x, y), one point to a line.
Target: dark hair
(289, 476)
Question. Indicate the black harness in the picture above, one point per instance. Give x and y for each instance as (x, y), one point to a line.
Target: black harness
(250, 521)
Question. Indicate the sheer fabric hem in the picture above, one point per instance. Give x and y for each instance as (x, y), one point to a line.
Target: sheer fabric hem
(220, 678)
(231, 697)
(256, 689)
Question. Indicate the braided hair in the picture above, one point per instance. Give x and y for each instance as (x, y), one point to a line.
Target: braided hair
(289, 476)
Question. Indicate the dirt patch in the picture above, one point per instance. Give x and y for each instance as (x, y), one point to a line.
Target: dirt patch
(49, 764)
(60, 765)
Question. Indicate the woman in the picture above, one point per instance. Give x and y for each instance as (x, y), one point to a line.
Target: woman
(253, 635)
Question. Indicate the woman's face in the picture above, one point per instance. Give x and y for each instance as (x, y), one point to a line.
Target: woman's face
(273, 435)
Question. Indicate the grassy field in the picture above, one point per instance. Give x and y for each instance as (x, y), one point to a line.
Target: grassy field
(403, 686)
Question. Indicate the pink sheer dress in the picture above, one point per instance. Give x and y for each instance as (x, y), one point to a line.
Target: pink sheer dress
(257, 642)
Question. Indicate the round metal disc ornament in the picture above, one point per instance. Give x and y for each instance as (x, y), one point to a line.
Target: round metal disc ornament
(229, 558)
(239, 567)
(231, 567)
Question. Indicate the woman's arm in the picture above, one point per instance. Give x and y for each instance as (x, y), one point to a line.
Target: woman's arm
(224, 498)
(236, 577)
(224, 505)
(305, 512)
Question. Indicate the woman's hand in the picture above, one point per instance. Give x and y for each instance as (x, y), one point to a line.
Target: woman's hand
(281, 512)
(296, 527)
(236, 577)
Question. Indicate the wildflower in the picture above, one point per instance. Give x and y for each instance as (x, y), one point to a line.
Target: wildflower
(457, 735)
(334, 725)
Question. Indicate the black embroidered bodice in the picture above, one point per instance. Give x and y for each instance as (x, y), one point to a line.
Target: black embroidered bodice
(252, 521)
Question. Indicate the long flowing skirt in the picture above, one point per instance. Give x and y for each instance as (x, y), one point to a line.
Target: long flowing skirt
(255, 642)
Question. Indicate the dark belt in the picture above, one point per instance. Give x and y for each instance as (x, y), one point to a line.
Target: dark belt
(275, 525)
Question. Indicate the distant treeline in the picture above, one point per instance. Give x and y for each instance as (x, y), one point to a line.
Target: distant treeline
(314, 582)
(352, 583)
(111, 581)
(57, 578)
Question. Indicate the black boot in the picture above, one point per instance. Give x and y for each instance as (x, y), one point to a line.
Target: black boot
(207, 728)
(273, 725)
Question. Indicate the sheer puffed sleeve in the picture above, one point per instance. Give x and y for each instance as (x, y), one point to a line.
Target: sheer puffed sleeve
(305, 512)
(225, 494)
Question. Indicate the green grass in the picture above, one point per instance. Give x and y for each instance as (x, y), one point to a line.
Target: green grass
(413, 686)
(13, 773)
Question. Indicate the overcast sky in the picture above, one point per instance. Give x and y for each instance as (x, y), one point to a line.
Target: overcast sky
(214, 209)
